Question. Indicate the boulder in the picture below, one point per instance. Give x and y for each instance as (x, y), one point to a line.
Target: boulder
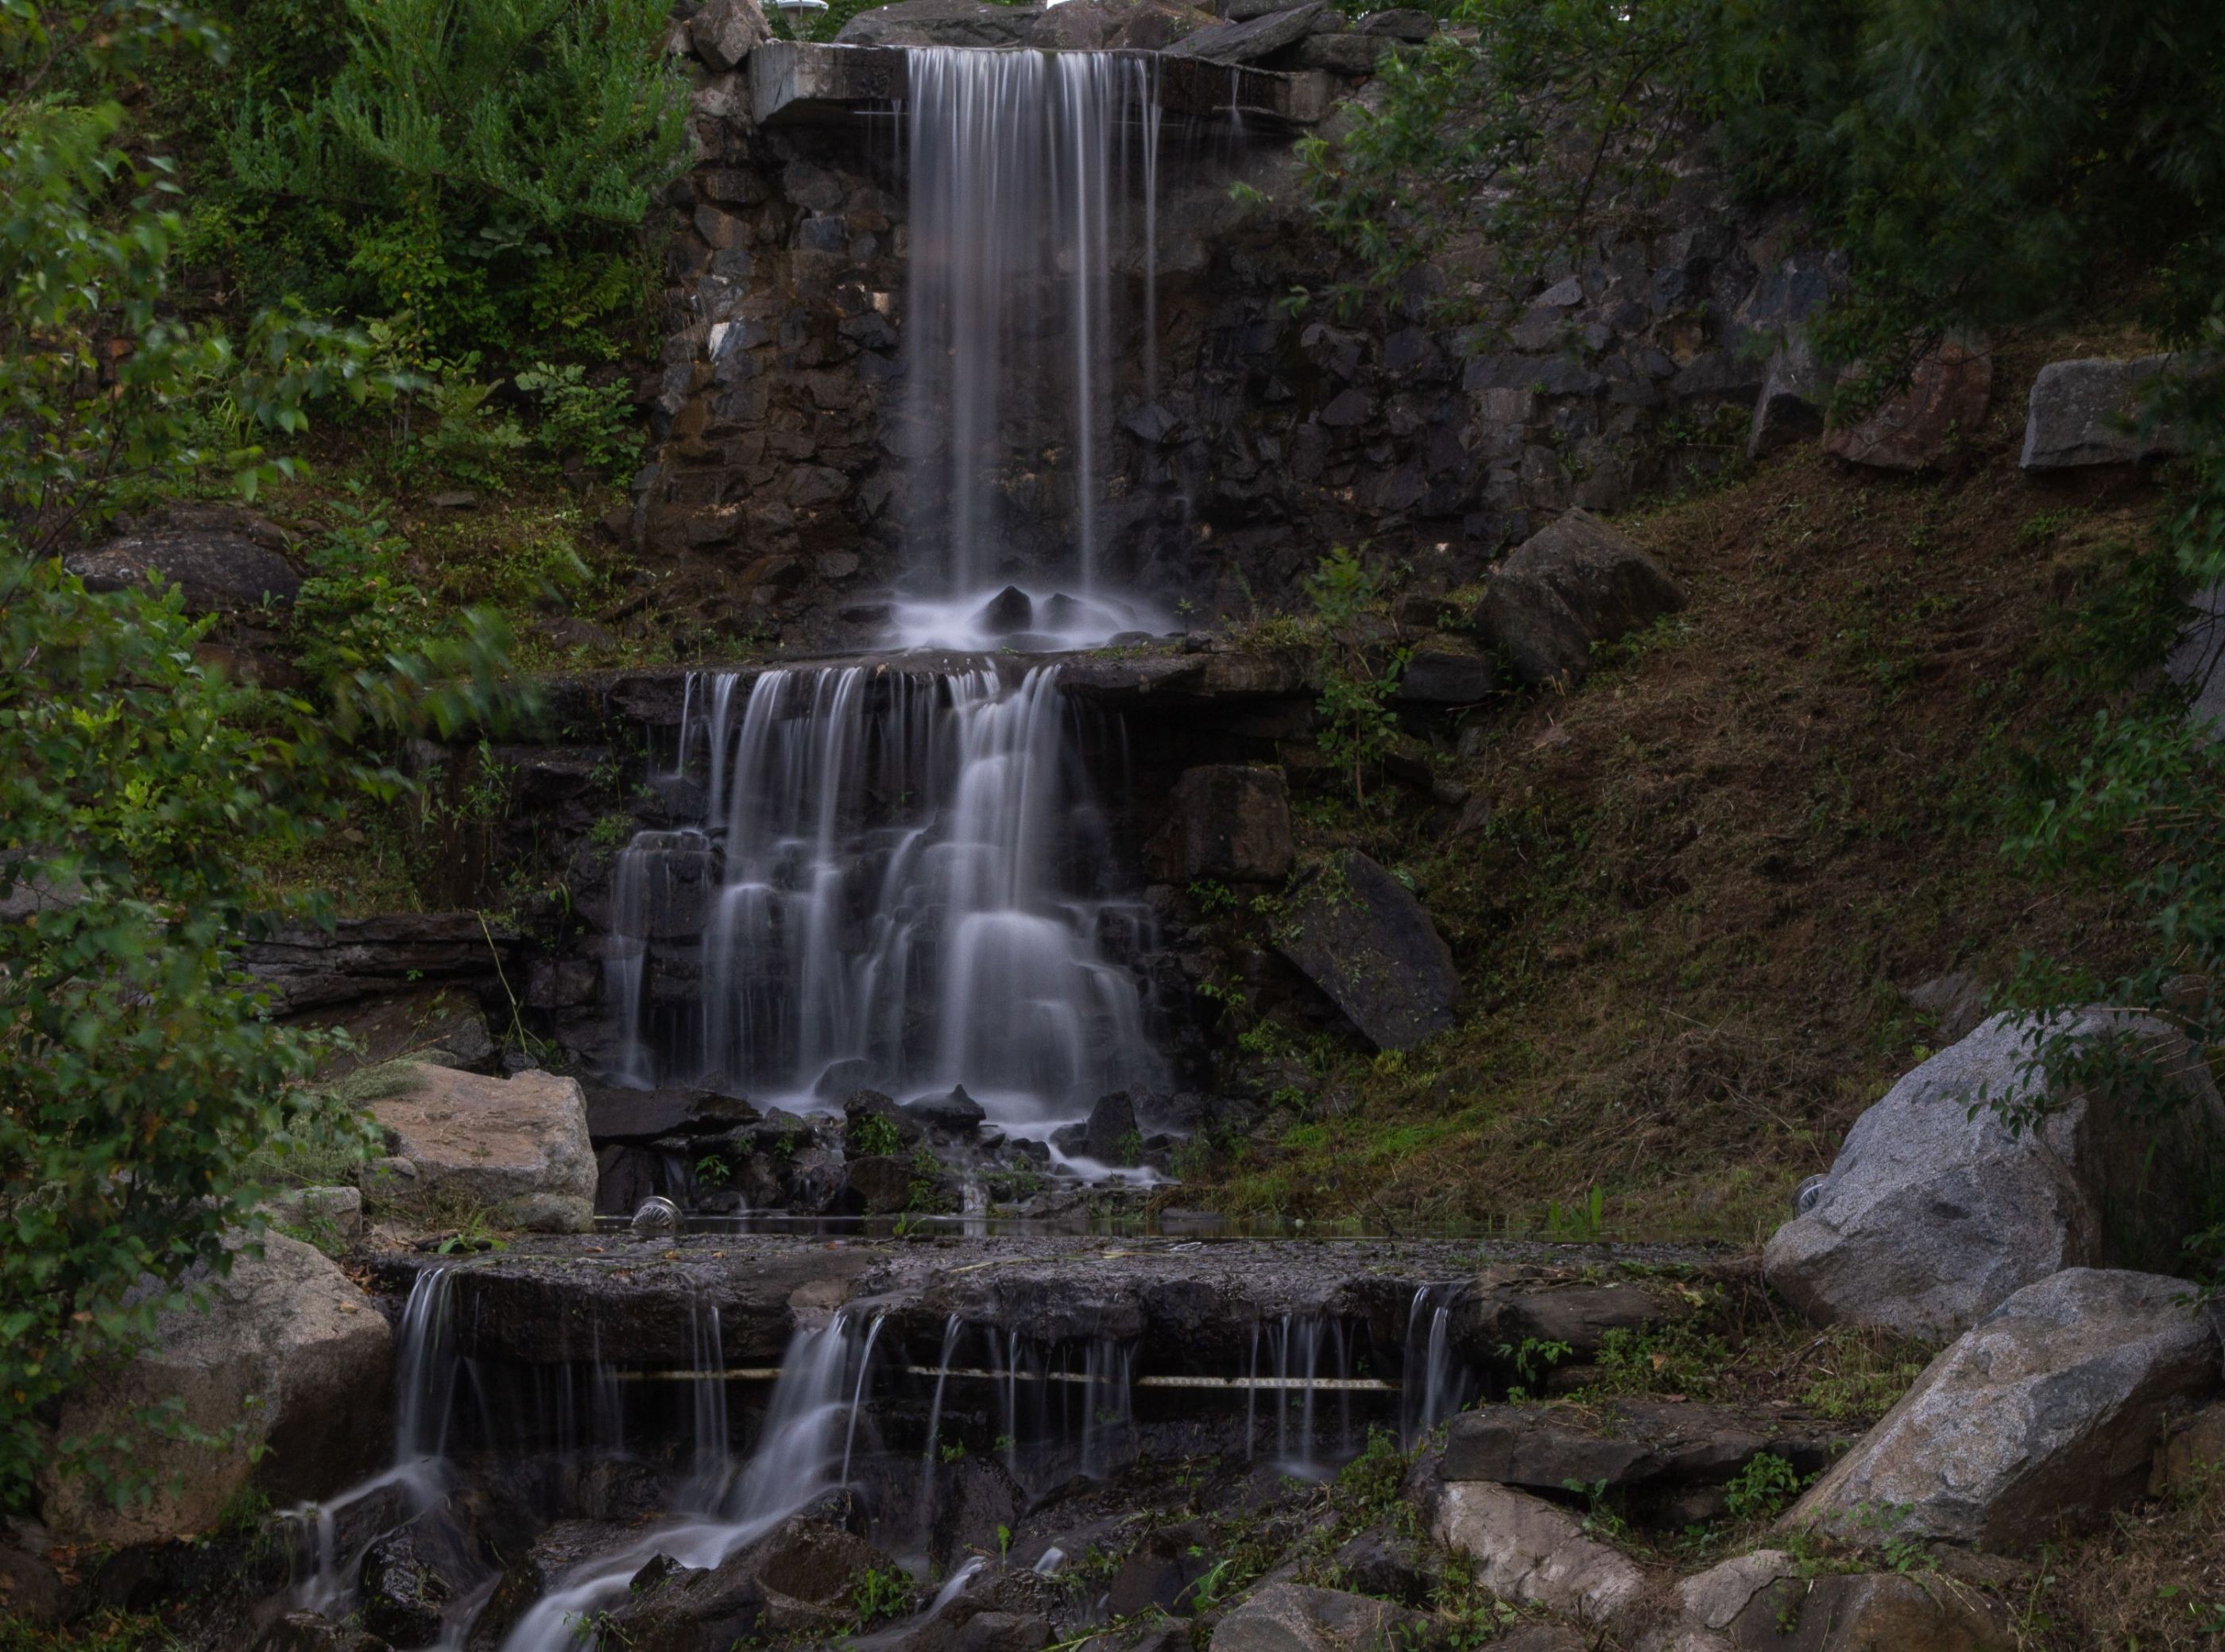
(1576, 583)
(220, 562)
(940, 23)
(1910, 430)
(1794, 390)
(1010, 611)
(877, 1186)
(1291, 1617)
(1111, 1136)
(616, 1114)
(1766, 1601)
(1530, 1551)
(1441, 677)
(2037, 1420)
(412, 1575)
(1249, 42)
(495, 1143)
(288, 1352)
(1414, 25)
(726, 31)
(1161, 1573)
(1934, 1209)
(2087, 412)
(1116, 25)
(1228, 821)
(1351, 54)
(1357, 933)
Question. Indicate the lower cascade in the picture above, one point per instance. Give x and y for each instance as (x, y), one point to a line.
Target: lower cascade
(893, 879)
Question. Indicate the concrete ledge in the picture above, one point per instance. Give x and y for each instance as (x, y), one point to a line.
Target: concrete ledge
(801, 82)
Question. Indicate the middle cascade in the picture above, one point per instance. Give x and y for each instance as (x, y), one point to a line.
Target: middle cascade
(900, 880)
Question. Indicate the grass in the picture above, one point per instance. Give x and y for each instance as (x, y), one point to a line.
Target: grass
(1707, 877)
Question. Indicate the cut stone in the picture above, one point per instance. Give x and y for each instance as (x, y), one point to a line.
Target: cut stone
(2087, 412)
(1575, 584)
(1250, 41)
(503, 1144)
(1358, 934)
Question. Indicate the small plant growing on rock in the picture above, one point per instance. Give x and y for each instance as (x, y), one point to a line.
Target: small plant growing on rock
(1763, 1488)
(875, 1136)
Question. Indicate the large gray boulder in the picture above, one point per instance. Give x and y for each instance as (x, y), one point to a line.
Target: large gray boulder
(516, 1148)
(1292, 1617)
(1358, 934)
(1537, 1553)
(1576, 583)
(2037, 1420)
(2089, 412)
(1769, 1602)
(726, 31)
(940, 23)
(290, 1360)
(1936, 1210)
(220, 562)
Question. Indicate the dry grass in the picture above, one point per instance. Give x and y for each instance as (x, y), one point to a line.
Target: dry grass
(2153, 1582)
(1710, 876)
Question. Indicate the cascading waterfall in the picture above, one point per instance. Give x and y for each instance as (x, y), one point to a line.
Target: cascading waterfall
(1026, 170)
(899, 880)
(1437, 1382)
(1059, 1420)
(811, 1415)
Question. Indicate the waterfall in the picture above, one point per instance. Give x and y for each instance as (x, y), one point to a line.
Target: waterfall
(1044, 1439)
(1024, 170)
(899, 880)
(798, 1448)
(710, 1464)
(1436, 1382)
(951, 1327)
(1295, 1345)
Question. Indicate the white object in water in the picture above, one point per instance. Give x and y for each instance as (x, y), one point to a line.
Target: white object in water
(658, 1218)
(1047, 1565)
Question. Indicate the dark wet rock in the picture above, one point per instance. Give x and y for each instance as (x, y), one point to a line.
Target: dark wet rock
(940, 23)
(2090, 412)
(1110, 1136)
(218, 566)
(807, 1569)
(1439, 677)
(31, 1589)
(1936, 1210)
(1388, 1565)
(411, 1577)
(306, 1631)
(558, 1550)
(671, 1608)
(1351, 55)
(1654, 1448)
(1576, 583)
(1405, 25)
(1226, 821)
(624, 1176)
(615, 1114)
(877, 1186)
(1292, 1617)
(973, 1497)
(2038, 1421)
(955, 1114)
(1009, 611)
(1913, 430)
(1161, 1573)
(1250, 41)
(441, 1027)
(1359, 936)
(1794, 394)
(1116, 25)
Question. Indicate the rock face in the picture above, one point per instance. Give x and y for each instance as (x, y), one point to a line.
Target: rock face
(726, 31)
(287, 1330)
(517, 1147)
(1253, 39)
(1360, 936)
(1762, 1602)
(1911, 431)
(1226, 821)
(221, 562)
(940, 23)
(2039, 1419)
(2085, 413)
(1438, 677)
(1931, 1215)
(1291, 1617)
(1578, 583)
(1528, 1550)
(1672, 1457)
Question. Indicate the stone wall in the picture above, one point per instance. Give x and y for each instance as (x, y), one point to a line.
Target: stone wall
(1270, 436)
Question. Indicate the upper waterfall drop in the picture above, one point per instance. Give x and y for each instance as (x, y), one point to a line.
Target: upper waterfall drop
(1031, 174)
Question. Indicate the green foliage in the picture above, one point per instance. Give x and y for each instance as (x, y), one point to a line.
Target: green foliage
(875, 1135)
(1763, 1489)
(1552, 119)
(1356, 728)
(880, 1592)
(143, 1089)
(1533, 1359)
(590, 425)
(483, 165)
